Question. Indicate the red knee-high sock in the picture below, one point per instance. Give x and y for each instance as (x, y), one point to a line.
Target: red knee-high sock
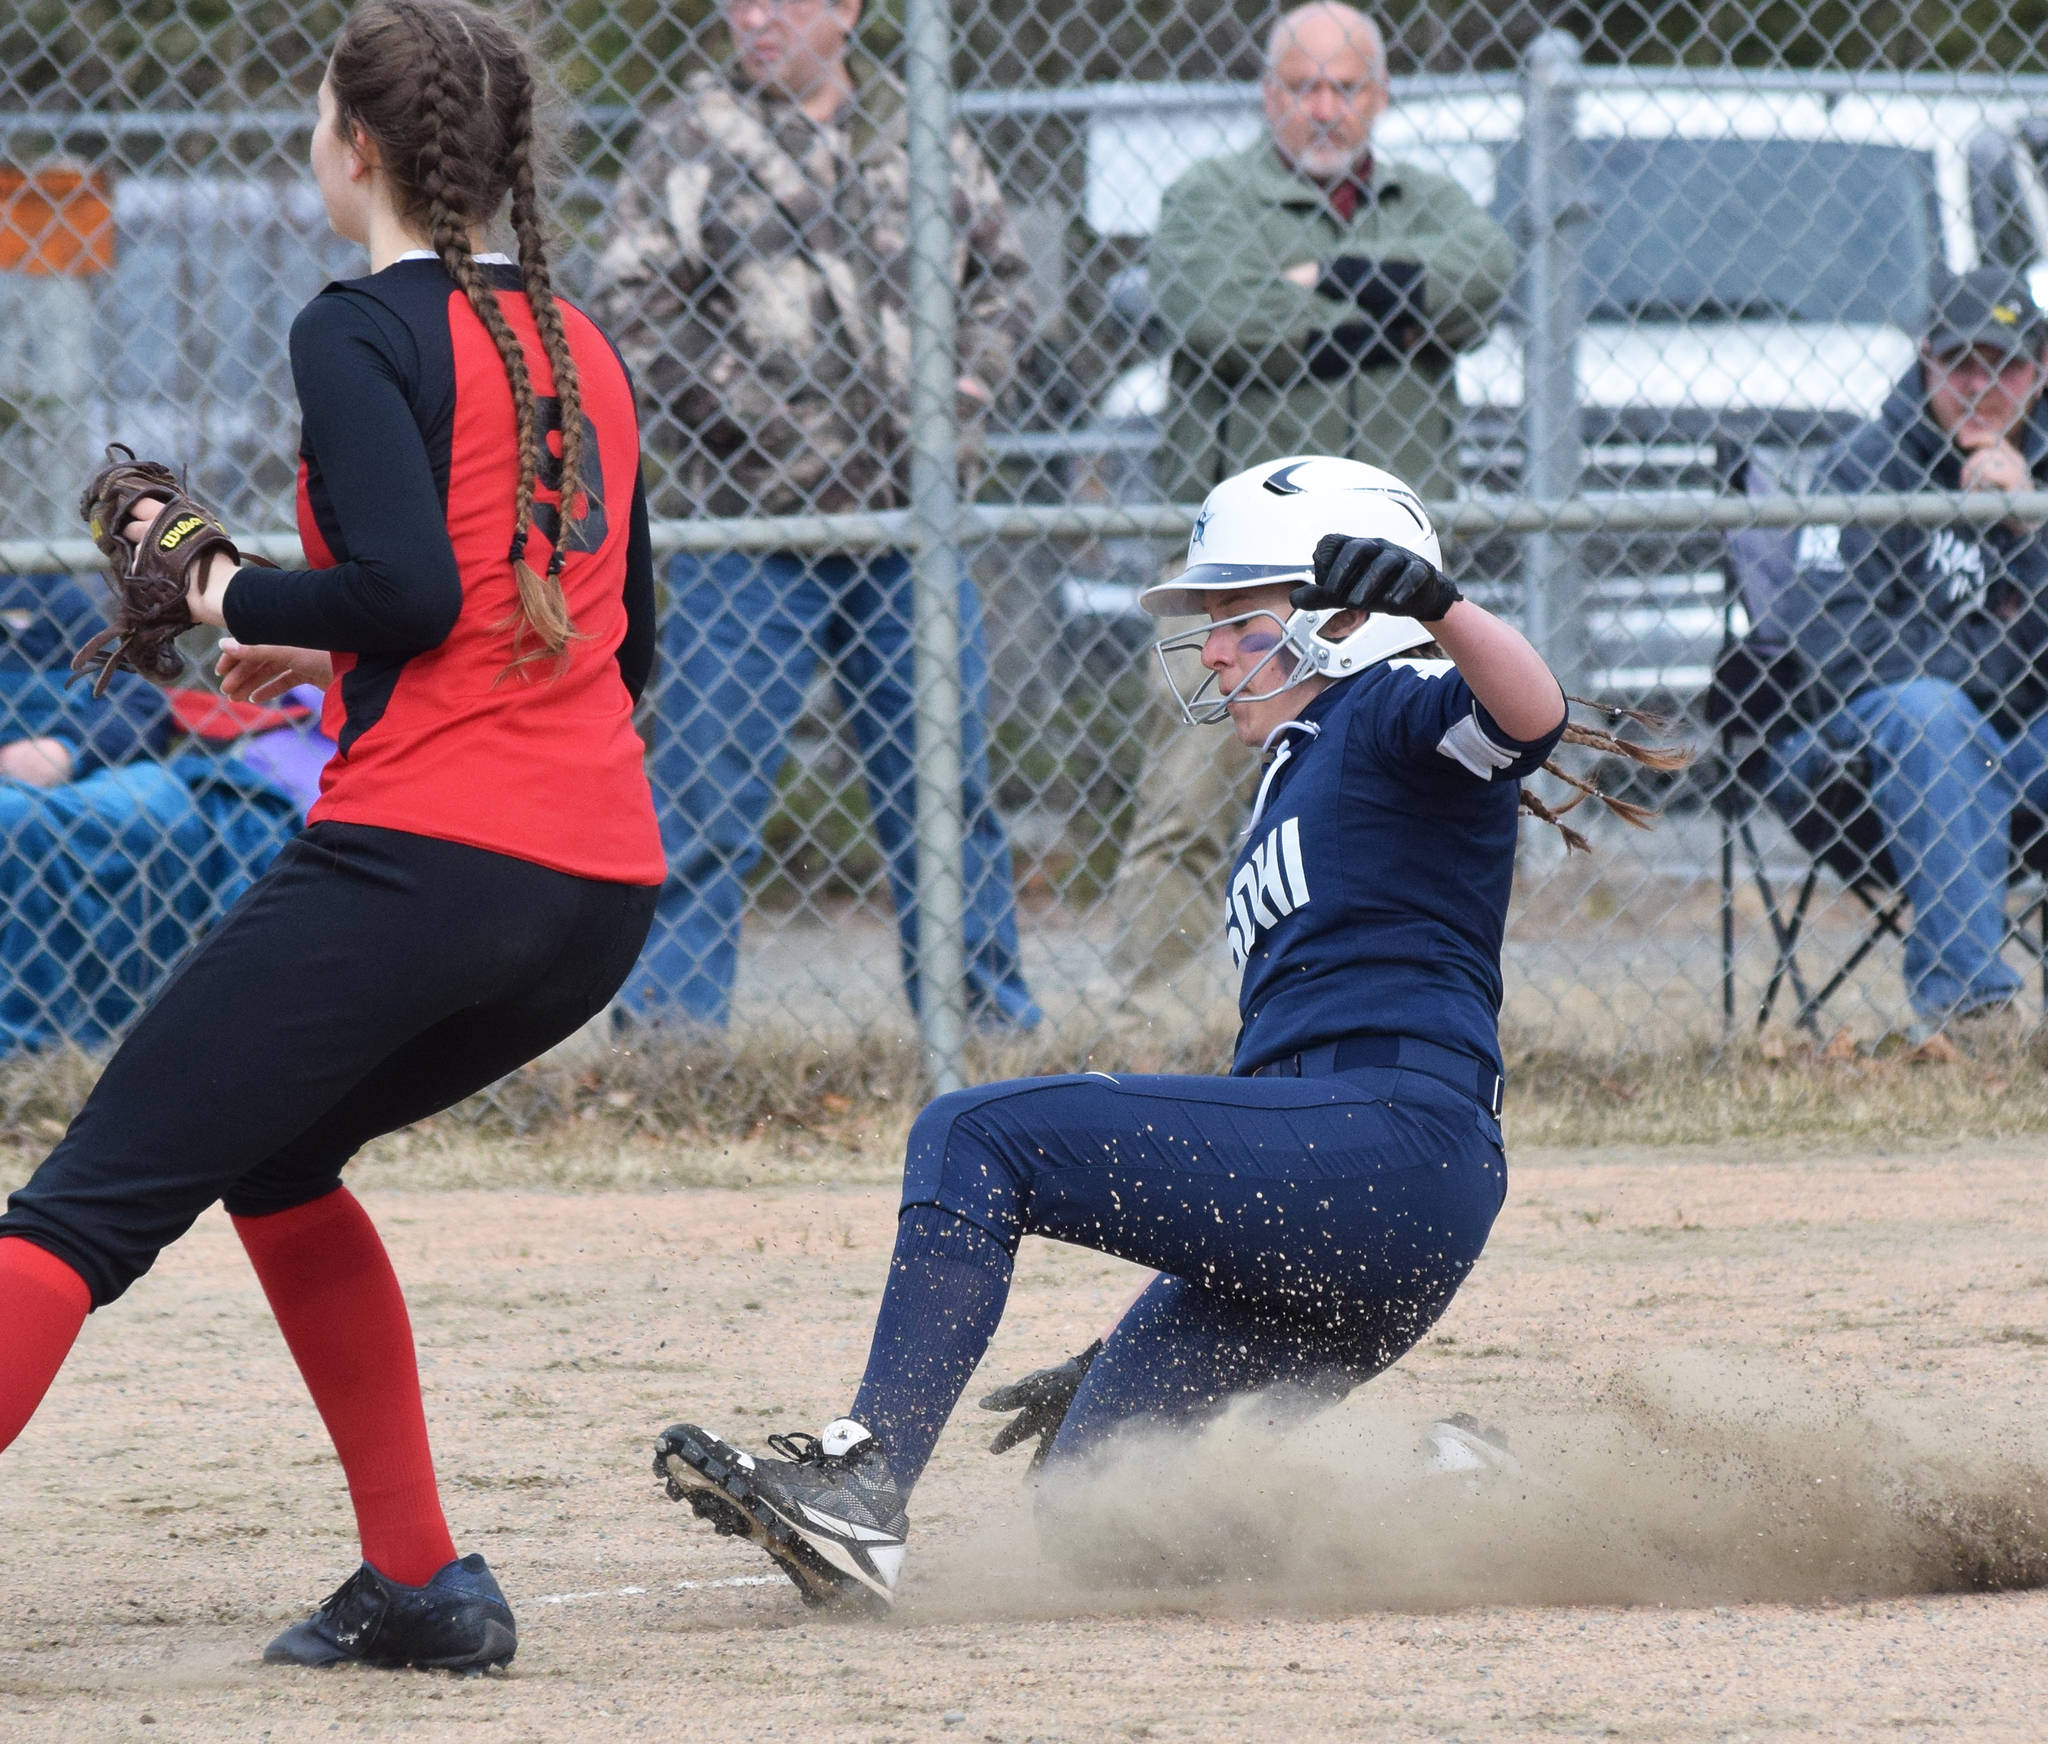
(43, 1303)
(337, 1300)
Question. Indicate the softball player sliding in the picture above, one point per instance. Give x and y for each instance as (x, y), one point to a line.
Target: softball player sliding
(479, 873)
(1310, 1215)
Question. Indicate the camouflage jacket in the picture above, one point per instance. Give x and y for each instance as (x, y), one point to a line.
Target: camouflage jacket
(756, 277)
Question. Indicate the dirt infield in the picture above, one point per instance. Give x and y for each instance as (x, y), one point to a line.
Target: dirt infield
(1777, 1413)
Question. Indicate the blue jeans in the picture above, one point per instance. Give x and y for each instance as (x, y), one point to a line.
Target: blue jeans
(740, 639)
(106, 883)
(1945, 782)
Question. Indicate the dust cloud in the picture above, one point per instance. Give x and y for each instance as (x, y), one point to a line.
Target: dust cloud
(1693, 1481)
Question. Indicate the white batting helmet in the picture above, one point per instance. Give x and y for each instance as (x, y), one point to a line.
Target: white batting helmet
(1260, 528)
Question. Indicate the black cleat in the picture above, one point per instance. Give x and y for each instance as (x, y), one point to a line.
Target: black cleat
(828, 1512)
(458, 1621)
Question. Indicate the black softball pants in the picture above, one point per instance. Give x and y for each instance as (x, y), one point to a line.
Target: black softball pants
(370, 978)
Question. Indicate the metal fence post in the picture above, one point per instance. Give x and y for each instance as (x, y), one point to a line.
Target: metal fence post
(1555, 606)
(935, 530)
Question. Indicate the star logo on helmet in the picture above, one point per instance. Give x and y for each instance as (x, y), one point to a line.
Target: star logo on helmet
(1201, 526)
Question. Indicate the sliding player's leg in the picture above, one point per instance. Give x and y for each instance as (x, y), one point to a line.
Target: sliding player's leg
(1343, 1218)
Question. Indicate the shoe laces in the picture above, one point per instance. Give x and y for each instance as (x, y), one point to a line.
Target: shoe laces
(341, 1594)
(802, 1449)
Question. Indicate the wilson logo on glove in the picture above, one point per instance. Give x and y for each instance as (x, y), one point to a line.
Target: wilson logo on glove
(177, 535)
(148, 579)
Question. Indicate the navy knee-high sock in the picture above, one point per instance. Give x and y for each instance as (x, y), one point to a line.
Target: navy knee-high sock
(948, 1280)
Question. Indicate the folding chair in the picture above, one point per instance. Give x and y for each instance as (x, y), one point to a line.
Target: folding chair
(1760, 691)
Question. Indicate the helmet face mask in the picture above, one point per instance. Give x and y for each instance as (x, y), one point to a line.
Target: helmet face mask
(1202, 700)
(1259, 529)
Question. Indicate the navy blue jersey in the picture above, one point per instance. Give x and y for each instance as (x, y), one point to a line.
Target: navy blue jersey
(1372, 890)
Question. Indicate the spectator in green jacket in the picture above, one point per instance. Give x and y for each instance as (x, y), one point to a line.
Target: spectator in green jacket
(1315, 296)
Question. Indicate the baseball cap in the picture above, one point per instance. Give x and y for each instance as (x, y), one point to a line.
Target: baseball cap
(1986, 306)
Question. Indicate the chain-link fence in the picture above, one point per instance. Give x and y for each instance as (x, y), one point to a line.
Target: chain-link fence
(1633, 294)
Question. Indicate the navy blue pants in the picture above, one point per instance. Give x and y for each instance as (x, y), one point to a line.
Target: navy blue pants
(106, 880)
(1307, 1231)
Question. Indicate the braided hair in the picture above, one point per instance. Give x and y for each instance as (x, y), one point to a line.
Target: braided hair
(448, 94)
(1663, 759)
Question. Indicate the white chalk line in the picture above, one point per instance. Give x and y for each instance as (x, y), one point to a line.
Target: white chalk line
(681, 1586)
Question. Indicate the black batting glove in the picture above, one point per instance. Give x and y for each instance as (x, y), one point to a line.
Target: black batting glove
(1040, 1400)
(1375, 575)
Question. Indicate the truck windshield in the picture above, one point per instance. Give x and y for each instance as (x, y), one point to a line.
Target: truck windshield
(1744, 229)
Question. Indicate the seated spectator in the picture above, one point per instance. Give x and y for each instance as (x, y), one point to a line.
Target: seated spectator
(1926, 644)
(128, 823)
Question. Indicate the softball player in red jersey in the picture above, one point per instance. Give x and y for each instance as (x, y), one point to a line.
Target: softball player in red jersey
(479, 873)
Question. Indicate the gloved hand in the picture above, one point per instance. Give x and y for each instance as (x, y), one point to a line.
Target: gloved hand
(1040, 1400)
(1375, 575)
(152, 574)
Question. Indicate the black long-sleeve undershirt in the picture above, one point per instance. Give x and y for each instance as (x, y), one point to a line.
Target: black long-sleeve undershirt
(399, 590)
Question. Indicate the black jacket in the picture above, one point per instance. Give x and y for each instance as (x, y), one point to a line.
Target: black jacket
(1873, 605)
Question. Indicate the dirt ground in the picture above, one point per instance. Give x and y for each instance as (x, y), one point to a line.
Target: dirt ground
(1773, 1412)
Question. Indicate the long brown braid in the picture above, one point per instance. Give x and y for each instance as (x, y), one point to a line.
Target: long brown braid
(447, 94)
(547, 313)
(1607, 744)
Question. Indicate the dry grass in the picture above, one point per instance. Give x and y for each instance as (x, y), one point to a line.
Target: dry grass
(787, 1108)
(1838, 1095)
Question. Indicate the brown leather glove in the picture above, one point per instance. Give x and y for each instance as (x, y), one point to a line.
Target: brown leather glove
(148, 577)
